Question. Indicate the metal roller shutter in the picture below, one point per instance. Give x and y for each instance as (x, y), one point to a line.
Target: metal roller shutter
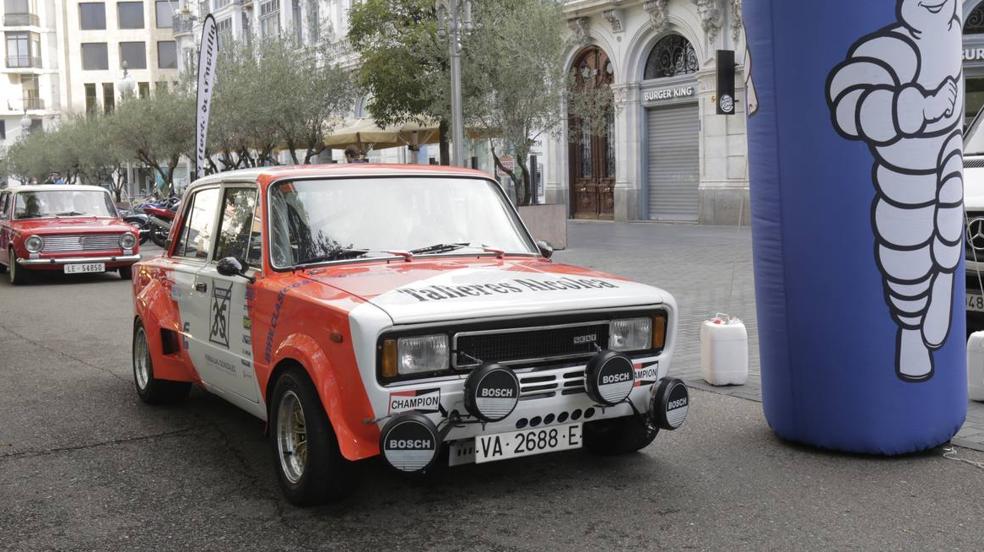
(674, 172)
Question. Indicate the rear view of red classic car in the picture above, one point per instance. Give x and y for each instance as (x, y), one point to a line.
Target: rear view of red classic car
(66, 228)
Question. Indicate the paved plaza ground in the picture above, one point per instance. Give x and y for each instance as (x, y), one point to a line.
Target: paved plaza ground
(85, 466)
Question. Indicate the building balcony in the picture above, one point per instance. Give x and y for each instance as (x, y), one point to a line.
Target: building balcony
(21, 20)
(33, 104)
(15, 61)
(183, 24)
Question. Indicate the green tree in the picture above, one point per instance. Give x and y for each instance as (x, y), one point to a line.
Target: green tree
(40, 155)
(274, 94)
(517, 53)
(99, 159)
(157, 131)
(404, 65)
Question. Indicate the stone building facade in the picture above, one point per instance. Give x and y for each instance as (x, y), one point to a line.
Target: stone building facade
(668, 154)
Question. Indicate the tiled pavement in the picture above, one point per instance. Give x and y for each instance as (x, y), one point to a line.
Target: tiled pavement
(699, 265)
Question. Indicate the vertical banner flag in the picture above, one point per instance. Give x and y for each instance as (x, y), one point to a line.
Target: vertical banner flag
(206, 85)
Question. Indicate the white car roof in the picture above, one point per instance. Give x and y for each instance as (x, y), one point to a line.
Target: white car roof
(57, 188)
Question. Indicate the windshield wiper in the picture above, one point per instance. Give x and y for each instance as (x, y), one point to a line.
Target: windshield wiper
(339, 255)
(440, 248)
(69, 214)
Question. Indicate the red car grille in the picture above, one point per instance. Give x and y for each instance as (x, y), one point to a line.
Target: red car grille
(88, 242)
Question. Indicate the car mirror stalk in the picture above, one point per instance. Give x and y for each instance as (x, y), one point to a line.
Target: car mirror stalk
(231, 266)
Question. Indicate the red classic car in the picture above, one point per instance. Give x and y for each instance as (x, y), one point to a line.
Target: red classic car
(406, 312)
(72, 229)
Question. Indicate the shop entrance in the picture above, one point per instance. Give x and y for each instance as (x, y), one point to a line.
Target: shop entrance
(673, 163)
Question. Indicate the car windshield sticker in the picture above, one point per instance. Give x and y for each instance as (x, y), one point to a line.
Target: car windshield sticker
(219, 333)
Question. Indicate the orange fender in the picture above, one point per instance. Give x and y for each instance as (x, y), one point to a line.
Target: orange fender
(340, 387)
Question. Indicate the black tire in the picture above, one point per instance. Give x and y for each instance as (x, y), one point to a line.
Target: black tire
(158, 236)
(324, 475)
(618, 435)
(18, 276)
(126, 273)
(150, 389)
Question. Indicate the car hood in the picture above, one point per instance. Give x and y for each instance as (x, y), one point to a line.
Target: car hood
(455, 289)
(80, 225)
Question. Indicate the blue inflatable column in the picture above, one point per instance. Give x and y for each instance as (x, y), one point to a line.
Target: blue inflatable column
(855, 121)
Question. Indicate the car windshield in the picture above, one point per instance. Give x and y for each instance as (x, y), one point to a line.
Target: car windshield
(328, 220)
(63, 203)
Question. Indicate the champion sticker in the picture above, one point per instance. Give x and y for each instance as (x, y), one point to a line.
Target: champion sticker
(646, 374)
(421, 400)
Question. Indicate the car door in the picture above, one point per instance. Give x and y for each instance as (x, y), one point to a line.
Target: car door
(190, 254)
(229, 342)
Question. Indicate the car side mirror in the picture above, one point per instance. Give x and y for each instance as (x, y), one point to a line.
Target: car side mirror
(231, 266)
(545, 249)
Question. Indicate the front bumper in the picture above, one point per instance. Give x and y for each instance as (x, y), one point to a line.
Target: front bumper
(542, 398)
(60, 261)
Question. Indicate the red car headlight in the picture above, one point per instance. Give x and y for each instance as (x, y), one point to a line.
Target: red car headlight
(34, 244)
(127, 241)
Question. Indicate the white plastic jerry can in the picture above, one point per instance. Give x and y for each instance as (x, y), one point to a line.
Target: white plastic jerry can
(724, 351)
(975, 366)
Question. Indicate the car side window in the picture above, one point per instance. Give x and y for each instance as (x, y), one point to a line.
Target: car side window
(4, 196)
(196, 235)
(236, 229)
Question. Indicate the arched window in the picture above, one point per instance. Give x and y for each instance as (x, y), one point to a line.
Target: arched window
(671, 56)
(975, 21)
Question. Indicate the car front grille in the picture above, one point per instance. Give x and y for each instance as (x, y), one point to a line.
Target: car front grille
(88, 242)
(545, 384)
(975, 236)
(530, 344)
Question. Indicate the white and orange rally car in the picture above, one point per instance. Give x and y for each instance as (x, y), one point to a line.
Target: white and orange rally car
(404, 311)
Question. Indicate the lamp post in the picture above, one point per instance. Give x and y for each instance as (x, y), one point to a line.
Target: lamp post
(127, 84)
(25, 123)
(453, 22)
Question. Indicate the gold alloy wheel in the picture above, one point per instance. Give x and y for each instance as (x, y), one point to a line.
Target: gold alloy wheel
(291, 437)
(141, 360)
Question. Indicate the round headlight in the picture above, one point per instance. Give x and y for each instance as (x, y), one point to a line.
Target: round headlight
(491, 392)
(609, 378)
(34, 244)
(127, 241)
(410, 442)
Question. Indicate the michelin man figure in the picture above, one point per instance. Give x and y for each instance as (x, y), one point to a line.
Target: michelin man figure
(900, 91)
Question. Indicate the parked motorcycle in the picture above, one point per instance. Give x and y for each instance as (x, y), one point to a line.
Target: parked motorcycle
(160, 219)
(139, 221)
